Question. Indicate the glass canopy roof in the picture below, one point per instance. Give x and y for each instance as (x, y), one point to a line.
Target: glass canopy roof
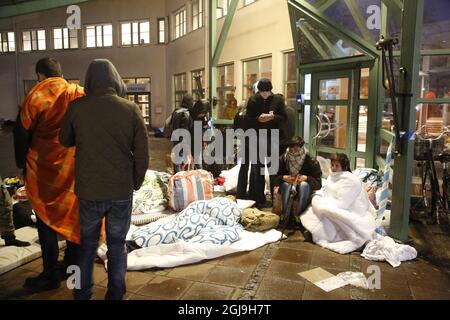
(333, 29)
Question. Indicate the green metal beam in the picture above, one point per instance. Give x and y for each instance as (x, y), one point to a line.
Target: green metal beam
(359, 20)
(34, 6)
(326, 5)
(387, 135)
(410, 58)
(330, 46)
(355, 39)
(224, 32)
(313, 41)
(341, 63)
(395, 8)
(212, 71)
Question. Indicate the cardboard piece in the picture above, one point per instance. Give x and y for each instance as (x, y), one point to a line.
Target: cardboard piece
(323, 279)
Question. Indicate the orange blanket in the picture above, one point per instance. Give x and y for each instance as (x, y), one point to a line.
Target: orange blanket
(50, 168)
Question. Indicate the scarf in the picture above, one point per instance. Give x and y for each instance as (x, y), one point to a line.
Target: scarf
(294, 161)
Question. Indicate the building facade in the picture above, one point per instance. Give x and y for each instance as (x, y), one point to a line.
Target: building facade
(159, 48)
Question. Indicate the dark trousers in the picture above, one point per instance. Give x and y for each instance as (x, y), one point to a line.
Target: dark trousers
(50, 250)
(118, 219)
(241, 191)
(257, 177)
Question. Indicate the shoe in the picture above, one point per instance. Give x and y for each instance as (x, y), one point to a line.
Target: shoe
(308, 236)
(16, 243)
(42, 282)
(61, 271)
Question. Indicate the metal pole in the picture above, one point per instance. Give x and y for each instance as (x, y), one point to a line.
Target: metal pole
(409, 78)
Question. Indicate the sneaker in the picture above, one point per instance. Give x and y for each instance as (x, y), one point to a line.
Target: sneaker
(42, 282)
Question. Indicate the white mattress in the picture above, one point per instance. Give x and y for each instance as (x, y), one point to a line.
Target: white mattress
(12, 257)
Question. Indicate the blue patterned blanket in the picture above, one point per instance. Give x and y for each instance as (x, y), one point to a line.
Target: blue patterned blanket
(205, 221)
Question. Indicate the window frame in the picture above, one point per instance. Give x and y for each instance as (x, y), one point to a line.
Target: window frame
(179, 92)
(7, 42)
(245, 86)
(158, 22)
(221, 90)
(194, 90)
(181, 27)
(62, 38)
(199, 16)
(132, 23)
(223, 10)
(32, 40)
(286, 81)
(96, 35)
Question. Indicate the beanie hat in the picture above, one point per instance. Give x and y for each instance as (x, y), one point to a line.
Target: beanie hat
(264, 85)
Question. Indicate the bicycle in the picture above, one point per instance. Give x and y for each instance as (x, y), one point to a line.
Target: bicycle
(436, 204)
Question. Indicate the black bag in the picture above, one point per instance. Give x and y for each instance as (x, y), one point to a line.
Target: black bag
(22, 213)
(173, 122)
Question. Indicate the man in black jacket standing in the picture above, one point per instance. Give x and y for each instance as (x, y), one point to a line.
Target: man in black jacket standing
(112, 158)
(266, 114)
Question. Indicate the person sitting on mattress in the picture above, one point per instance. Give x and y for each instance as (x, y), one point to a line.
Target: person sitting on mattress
(340, 217)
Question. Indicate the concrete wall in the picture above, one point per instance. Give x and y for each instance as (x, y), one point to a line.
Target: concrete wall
(261, 28)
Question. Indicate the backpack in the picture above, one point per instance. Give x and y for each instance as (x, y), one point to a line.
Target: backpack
(173, 122)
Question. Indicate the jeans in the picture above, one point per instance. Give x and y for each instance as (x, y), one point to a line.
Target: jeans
(303, 192)
(50, 250)
(117, 214)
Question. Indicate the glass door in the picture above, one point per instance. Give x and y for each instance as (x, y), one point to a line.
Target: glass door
(143, 102)
(331, 113)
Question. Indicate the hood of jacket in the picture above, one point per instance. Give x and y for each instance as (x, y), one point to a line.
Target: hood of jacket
(102, 77)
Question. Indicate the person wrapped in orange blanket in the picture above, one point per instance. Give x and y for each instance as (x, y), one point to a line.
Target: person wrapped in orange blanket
(49, 170)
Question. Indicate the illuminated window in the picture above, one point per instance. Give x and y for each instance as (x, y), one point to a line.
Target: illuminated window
(180, 23)
(99, 36)
(135, 33)
(7, 42)
(63, 38)
(161, 30)
(34, 40)
(197, 14)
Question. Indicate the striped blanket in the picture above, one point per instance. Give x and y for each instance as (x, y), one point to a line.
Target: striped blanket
(207, 221)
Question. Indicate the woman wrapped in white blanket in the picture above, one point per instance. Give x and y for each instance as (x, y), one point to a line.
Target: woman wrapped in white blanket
(340, 217)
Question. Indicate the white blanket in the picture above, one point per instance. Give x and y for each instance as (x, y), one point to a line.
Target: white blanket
(340, 217)
(182, 253)
(384, 248)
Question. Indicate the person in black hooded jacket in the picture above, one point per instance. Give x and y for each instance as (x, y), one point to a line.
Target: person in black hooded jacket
(191, 154)
(112, 157)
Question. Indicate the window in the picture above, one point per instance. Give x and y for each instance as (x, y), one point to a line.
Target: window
(63, 38)
(33, 40)
(195, 89)
(226, 107)
(247, 2)
(7, 42)
(161, 30)
(179, 88)
(180, 24)
(135, 33)
(290, 79)
(222, 8)
(197, 14)
(253, 71)
(99, 36)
